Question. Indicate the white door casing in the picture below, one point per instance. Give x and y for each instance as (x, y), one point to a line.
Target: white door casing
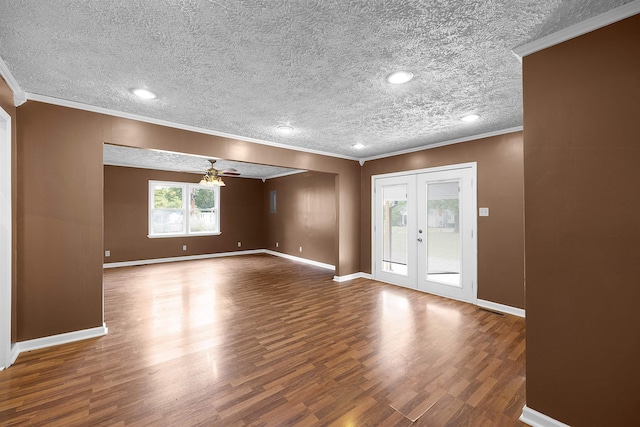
(5, 239)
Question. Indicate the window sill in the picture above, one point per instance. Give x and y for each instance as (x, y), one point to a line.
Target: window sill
(166, 236)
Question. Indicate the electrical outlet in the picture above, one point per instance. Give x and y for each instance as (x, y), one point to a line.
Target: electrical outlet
(184, 247)
(239, 244)
(276, 244)
(107, 253)
(300, 248)
(484, 211)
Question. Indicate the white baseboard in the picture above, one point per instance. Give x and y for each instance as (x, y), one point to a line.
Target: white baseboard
(351, 277)
(501, 308)
(217, 255)
(537, 419)
(14, 353)
(298, 259)
(180, 258)
(59, 339)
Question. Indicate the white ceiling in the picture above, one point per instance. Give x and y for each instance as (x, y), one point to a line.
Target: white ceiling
(244, 67)
(115, 155)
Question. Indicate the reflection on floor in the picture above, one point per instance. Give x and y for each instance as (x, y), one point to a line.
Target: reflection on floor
(259, 340)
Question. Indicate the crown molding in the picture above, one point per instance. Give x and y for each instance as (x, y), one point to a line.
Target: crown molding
(95, 109)
(443, 143)
(579, 29)
(19, 96)
(280, 175)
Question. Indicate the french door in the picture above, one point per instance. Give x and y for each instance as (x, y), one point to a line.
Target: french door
(424, 231)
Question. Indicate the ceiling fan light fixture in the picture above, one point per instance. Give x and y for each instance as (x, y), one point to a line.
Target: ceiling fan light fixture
(212, 178)
(143, 93)
(285, 130)
(470, 118)
(399, 77)
(212, 181)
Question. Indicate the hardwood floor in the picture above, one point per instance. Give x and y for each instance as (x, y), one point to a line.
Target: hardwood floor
(260, 340)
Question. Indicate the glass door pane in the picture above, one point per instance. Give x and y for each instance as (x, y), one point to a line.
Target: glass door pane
(443, 252)
(394, 229)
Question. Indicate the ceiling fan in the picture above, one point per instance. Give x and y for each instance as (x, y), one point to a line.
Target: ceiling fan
(212, 176)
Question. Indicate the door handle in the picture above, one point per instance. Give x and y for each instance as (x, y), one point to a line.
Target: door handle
(419, 239)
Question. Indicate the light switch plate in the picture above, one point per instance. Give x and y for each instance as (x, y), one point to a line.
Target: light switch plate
(484, 212)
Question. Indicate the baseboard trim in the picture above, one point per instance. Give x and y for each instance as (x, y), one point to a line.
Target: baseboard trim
(298, 259)
(14, 353)
(59, 339)
(218, 255)
(538, 419)
(501, 308)
(180, 258)
(352, 277)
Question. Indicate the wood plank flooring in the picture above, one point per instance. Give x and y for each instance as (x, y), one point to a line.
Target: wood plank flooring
(263, 341)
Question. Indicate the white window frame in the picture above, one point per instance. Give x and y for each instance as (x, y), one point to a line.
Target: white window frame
(186, 192)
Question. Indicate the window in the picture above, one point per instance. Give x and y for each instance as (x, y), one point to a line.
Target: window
(182, 209)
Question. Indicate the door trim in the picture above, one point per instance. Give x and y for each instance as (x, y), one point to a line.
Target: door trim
(6, 228)
(474, 257)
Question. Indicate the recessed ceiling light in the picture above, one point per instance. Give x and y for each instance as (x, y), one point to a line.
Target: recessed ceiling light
(358, 146)
(470, 118)
(285, 130)
(144, 93)
(399, 77)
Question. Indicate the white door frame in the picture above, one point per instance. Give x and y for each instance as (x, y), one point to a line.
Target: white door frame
(5, 239)
(374, 243)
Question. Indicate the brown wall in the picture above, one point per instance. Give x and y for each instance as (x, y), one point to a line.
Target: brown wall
(59, 221)
(6, 103)
(126, 193)
(581, 157)
(60, 207)
(306, 216)
(144, 135)
(500, 235)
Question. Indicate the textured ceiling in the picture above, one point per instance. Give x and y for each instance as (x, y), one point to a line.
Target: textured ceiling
(162, 160)
(244, 67)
